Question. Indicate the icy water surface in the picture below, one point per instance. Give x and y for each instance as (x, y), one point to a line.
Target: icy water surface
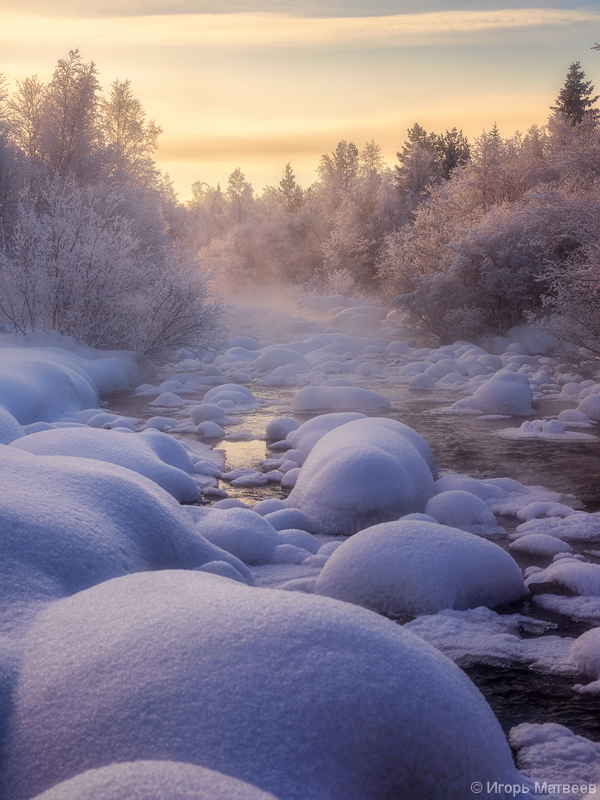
(464, 444)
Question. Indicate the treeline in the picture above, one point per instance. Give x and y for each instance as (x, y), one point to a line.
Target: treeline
(85, 240)
(468, 238)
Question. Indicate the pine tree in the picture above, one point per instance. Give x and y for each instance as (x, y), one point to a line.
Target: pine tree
(289, 190)
(575, 100)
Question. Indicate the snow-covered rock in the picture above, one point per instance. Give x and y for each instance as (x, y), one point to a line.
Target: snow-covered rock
(362, 473)
(269, 687)
(153, 780)
(412, 567)
(338, 398)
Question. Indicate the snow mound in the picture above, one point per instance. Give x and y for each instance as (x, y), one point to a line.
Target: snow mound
(505, 393)
(269, 687)
(412, 567)
(243, 533)
(69, 523)
(234, 393)
(460, 509)
(579, 526)
(481, 488)
(280, 427)
(567, 576)
(585, 658)
(153, 780)
(553, 754)
(207, 412)
(308, 434)
(552, 430)
(540, 544)
(9, 427)
(338, 398)
(273, 357)
(362, 473)
(153, 454)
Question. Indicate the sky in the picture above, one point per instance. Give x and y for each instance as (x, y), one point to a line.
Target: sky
(262, 83)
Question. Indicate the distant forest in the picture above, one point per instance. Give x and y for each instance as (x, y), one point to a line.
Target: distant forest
(468, 238)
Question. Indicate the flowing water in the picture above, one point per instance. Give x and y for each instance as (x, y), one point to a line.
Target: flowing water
(467, 445)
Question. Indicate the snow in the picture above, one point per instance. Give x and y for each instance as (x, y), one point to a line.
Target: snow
(290, 518)
(339, 398)
(579, 526)
(460, 509)
(585, 658)
(540, 544)
(362, 473)
(554, 754)
(481, 635)
(273, 357)
(280, 427)
(244, 534)
(506, 393)
(569, 574)
(552, 430)
(153, 780)
(269, 687)
(207, 412)
(153, 454)
(82, 521)
(412, 567)
(308, 434)
(9, 427)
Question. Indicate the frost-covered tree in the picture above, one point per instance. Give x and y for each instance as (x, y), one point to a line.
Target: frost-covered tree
(292, 194)
(575, 100)
(26, 109)
(129, 138)
(70, 136)
(74, 265)
(240, 195)
(340, 169)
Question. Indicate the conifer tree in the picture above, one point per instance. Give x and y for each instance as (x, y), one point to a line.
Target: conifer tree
(575, 99)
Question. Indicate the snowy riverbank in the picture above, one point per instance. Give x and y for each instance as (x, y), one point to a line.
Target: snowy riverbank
(253, 641)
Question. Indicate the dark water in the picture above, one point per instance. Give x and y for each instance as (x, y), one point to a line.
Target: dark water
(467, 445)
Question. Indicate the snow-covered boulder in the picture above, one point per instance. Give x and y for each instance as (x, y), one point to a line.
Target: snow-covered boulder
(69, 523)
(230, 395)
(505, 393)
(273, 357)
(413, 567)
(361, 473)
(9, 427)
(243, 533)
(278, 428)
(308, 434)
(269, 687)
(153, 454)
(460, 509)
(338, 398)
(585, 658)
(153, 780)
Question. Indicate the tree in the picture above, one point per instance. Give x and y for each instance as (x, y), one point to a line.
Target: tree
(339, 170)
(129, 138)
(26, 108)
(291, 193)
(575, 99)
(240, 195)
(70, 133)
(74, 265)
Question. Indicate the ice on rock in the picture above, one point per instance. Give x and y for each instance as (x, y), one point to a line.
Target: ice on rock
(362, 473)
(579, 526)
(567, 577)
(269, 687)
(412, 567)
(505, 393)
(338, 398)
(153, 780)
(153, 454)
(463, 510)
(69, 523)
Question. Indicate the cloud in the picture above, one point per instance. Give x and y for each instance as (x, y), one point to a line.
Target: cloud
(259, 29)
